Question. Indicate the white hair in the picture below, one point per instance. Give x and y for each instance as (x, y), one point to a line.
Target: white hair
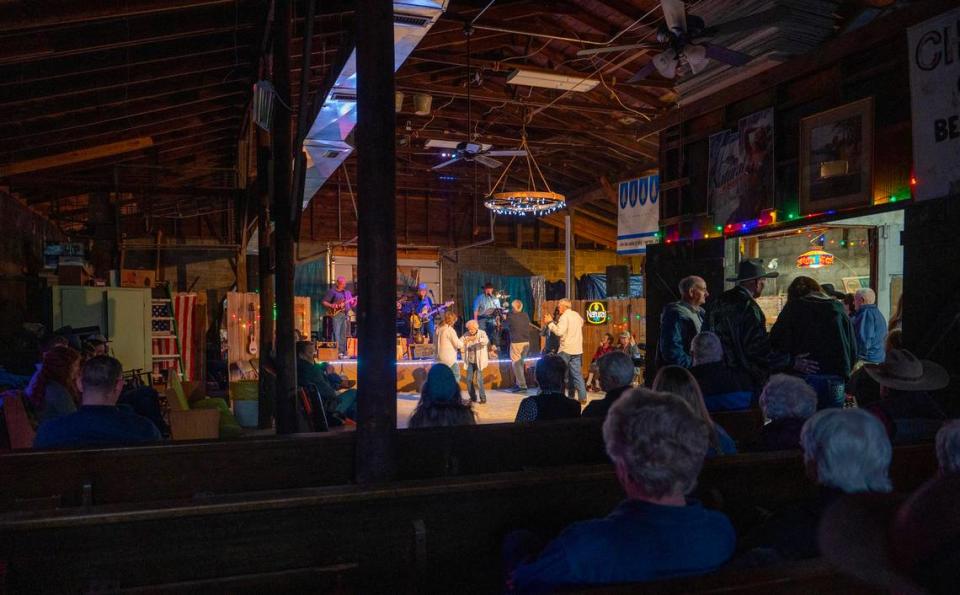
(787, 396)
(565, 302)
(517, 305)
(472, 324)
(948, 447)
(705, 348)
(687, 283)
(616, 370)
(866, 295)
(849, 449)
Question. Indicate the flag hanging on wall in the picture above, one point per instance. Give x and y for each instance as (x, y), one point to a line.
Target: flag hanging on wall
(638, 217)
(183, 311)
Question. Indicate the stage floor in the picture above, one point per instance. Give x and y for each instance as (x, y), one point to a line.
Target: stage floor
(501, 406)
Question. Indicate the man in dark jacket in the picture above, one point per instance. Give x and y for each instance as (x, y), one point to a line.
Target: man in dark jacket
(816, 324)
(739, 322)
(680, 322)
(550, 402)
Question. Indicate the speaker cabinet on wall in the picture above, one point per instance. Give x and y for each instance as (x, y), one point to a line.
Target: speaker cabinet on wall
(618, 281)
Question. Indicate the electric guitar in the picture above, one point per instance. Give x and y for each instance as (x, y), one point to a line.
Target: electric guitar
(425, 316)
(251, 321)
(341, 306)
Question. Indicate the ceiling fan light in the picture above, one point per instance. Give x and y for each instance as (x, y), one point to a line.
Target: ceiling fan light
(666, 63)
(696, 56)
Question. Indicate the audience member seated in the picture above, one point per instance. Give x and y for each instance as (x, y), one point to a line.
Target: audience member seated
(605, 347)
(679, 381)
(844, 451)
(616, 376)
(550, 402)
(948, 447)
(441, 403)
(787, 402)
(721, 388)
(902, 545)
(52, 391)
(98, 421)
(309, 373)
(657, 445)
(906, 406)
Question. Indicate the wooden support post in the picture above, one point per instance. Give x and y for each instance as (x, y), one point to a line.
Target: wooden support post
(283, 215)
(268, 387)
(376, 244)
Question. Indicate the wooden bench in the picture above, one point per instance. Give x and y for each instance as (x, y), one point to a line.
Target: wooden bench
(444, 532)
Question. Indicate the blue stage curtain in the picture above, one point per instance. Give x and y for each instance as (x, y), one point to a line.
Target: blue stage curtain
(593, 286)
(310, 279)
(517, 287)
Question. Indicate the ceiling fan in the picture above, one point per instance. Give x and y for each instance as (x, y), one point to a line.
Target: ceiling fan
(464, 151)
(681, 33)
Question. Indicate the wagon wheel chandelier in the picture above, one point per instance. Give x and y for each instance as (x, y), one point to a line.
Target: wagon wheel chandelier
(530, 201)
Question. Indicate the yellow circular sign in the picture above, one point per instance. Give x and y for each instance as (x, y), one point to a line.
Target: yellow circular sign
(596, 313)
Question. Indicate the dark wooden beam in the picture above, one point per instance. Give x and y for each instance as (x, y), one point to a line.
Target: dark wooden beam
(17, 16)
(377, 249)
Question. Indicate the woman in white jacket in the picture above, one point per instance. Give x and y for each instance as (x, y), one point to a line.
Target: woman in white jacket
(448, 343)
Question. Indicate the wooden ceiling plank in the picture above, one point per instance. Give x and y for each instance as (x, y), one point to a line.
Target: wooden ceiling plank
(71, 157)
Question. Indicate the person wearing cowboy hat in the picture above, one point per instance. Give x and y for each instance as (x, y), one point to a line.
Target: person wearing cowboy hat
(739, 322)
(906, 405)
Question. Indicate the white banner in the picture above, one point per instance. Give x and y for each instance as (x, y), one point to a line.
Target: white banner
(639, 214)
(935, 102)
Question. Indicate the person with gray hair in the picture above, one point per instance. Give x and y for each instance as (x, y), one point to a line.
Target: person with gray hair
(869, 327)
(657, 446)
(518, 327)
(616, 377)
(845, 451)
(569, 327)
(948, 447)
(722, 389)
(680, 321)
(787, 402)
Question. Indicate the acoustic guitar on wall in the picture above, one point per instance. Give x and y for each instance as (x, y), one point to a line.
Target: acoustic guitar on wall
(252, 348)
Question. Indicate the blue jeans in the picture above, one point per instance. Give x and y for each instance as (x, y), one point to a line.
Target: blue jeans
(341, 325)
(489, 326)
(455, 368)
(575, 375)
(830, 390)
(474, 372)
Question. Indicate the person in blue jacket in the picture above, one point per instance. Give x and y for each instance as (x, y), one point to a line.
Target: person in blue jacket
(869, 326)
(680, 322)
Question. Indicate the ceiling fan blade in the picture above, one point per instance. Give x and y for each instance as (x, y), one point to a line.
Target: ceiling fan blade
(754, 21)
(726, 55)
(666, 63)
(674, 14)
(484, 160)
(614, 48)
(445, 163)
(473, 148)
(643, 73)
(519, 153)
(696, 56)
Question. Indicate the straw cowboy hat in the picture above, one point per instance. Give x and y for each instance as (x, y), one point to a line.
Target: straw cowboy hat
(909, 545)
(904, 371)
(752, 268)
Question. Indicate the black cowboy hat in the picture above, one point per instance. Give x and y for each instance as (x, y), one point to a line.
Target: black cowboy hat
(752, 268)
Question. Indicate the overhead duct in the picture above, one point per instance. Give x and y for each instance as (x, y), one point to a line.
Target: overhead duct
(326, 142)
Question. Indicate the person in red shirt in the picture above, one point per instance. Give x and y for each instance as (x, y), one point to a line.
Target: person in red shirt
(605, 347)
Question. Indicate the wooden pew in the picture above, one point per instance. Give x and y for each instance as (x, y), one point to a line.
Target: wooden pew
(437, 532)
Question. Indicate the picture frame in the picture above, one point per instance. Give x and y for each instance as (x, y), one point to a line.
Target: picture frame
(836, 158)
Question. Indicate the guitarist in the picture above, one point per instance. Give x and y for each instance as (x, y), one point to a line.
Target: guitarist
(339, 301)
(486, 311)
(422, 306)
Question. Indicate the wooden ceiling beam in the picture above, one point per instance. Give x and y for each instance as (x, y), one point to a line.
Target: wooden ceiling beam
(488, 97)
(72, 157)
(605, 235)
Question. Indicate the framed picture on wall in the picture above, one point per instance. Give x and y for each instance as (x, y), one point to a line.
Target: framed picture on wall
(836, 158)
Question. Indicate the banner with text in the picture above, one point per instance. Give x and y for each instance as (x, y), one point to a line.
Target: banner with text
(935, 99)
(638, 219)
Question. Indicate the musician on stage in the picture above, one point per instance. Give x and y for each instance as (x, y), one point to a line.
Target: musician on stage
(339, 302)
(423, 305)
(486, 310)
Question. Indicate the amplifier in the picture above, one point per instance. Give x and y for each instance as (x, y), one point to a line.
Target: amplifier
(426, 351)
(327, 354)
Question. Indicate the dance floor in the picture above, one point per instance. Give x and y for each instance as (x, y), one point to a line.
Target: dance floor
(501, 406)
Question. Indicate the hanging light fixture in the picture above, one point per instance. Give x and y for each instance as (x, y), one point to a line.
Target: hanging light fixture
(532, 200)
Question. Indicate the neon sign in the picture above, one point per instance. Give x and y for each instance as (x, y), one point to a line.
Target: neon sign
(814, 259)
(596, 313)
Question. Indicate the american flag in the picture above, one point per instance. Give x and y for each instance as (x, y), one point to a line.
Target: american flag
(183, 308)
